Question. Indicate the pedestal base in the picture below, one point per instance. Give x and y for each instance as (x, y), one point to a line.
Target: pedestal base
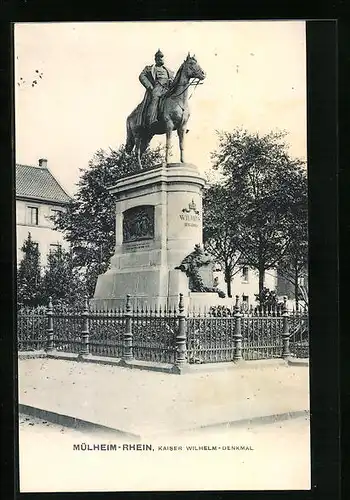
(151, 288)
(158, 223)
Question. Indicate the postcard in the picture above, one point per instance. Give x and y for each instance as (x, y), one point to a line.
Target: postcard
(162, 256)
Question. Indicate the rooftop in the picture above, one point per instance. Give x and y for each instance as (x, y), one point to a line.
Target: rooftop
(37, 182)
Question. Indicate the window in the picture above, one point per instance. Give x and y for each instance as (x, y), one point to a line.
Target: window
(245, 274)
(33, 216)
(55, 247)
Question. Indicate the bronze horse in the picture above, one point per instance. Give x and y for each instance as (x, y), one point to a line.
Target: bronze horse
(173, 115)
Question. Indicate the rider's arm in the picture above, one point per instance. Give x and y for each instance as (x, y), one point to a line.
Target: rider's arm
(171, 76)
(144, 80)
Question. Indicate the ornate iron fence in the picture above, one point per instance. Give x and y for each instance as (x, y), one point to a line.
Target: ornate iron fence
(67, 328)
(154, 334)
(106, 333)
(210, 339)
(167, 336)
(31, 328)
(261, 336)
(211, 334)
(299, 335)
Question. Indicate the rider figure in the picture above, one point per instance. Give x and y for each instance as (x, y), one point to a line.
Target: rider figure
(157, 79)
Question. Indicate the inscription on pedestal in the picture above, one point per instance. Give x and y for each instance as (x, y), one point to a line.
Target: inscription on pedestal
(134, 247)
(189, 219)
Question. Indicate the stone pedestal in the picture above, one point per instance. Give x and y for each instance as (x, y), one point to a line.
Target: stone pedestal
(158, 223)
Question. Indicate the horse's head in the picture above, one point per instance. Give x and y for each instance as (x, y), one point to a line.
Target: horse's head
(192, 68)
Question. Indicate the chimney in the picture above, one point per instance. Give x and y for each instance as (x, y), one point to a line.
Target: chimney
(43, 162)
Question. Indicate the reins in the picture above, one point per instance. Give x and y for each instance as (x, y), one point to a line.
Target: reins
(187, 87)
(177, 77)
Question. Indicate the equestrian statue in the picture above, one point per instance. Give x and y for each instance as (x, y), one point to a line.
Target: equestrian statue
(164, 107)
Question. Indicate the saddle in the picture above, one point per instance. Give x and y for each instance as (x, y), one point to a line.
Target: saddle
(160, 109)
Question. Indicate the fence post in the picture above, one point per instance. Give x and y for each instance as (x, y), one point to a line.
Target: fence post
(84, 349)
(236, 306)
(181, 351)
(127, 351)
(49, 337)
(285, 333)
(237, 337)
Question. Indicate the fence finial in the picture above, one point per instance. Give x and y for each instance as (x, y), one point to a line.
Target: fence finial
(285, 333)
(86, 303)
(237, 303)
(181, 303)
(180, 340)
(128, 340)
(49, 331)
(85, 331)
(128, 304)
(237, 337)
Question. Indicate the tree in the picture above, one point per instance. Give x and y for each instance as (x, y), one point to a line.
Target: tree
(29, 275)
(220, 232)
(294, 263)
(267, 298)
(270, 192)
(62, 280)
(89, 222)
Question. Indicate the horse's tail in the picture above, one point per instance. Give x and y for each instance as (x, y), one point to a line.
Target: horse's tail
(130, 139)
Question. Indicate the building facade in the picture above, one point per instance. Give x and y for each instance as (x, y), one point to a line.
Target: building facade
(287, 288)
(245, 284)
(38, 197)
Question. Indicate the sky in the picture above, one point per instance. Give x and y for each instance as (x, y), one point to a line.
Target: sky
(256, 79)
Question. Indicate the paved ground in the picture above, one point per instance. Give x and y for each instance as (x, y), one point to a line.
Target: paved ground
(150, 403)
(277, 456)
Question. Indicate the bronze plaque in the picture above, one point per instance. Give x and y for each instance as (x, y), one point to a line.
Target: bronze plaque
(138, 223)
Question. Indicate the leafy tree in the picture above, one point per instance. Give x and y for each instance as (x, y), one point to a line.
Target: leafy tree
(220, 230)
(269, 189)
(29, 274)
(294, 263)
(89, 222)
(62, 280)
(267, 298)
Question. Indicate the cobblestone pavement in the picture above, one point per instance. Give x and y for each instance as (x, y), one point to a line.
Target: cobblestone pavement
(150, 403)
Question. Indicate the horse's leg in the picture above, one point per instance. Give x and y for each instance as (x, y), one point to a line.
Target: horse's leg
(130, 139)
(144, 144)
(138, 150)
(169, 129)
(181, 133)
